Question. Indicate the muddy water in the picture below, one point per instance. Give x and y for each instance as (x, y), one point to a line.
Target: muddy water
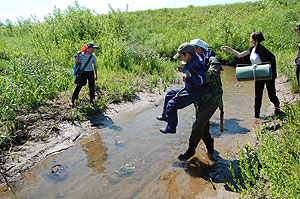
(129, 158)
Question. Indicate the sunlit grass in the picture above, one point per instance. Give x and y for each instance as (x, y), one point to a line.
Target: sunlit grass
(271, 169)
(3, 65)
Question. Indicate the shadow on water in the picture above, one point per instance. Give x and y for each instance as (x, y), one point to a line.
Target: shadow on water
(231, 126)
(102, 121)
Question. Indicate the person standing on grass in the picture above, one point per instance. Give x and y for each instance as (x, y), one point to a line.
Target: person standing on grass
(179, 98)
(258, 54)
(297, 60)
(88, 73)
(210, 100)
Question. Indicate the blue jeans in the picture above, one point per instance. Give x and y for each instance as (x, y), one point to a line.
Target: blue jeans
(175, 99)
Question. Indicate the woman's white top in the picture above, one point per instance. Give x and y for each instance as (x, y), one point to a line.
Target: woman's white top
(254, 57)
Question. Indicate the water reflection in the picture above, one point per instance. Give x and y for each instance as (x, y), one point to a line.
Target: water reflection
(95, 151)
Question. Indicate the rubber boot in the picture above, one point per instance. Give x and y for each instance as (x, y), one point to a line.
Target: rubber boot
(256, 112)
(188, 154)
(209, 143)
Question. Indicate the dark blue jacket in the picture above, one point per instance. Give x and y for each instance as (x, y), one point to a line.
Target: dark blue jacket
(197, 69)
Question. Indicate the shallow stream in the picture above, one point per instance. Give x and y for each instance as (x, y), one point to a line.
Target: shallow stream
(129, 158)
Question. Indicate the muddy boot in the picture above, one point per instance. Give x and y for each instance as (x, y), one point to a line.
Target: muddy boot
(188, 154)
(209, 143)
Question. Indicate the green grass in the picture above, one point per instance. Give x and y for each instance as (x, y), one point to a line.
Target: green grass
(135, 51)
(271, 169)
(3, 65)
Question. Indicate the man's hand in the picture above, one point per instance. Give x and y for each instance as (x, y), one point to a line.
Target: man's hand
(180, 67)
(188, 73)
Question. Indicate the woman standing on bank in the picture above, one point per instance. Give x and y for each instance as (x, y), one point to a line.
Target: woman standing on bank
(258, 54)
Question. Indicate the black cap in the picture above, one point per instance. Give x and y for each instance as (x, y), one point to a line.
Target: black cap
(90, 44)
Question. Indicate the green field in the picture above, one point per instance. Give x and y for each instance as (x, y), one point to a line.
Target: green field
(36, 65)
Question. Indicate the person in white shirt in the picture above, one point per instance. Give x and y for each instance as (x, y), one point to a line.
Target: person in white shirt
(258, 54)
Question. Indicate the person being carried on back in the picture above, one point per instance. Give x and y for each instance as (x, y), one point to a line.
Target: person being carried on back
(208, 103)
(87, 62)
(179, 98)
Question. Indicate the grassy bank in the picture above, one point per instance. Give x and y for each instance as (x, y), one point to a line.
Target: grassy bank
(36, 59)
(271, 168)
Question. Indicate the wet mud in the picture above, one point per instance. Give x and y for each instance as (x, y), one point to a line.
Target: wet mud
(122, 154)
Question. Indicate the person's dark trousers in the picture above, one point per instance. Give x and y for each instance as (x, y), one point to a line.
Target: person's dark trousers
(297, 75)
(86, 76)
(182, 99)
(200, 128)
(259, 88)
(169, 95)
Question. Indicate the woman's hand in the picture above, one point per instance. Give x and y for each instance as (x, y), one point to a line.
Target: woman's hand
(225, 48)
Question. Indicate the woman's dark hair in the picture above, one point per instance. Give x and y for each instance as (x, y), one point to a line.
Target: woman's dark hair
(257, 36)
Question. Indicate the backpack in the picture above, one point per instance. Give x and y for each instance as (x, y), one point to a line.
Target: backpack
(78, 70)
(76, 66)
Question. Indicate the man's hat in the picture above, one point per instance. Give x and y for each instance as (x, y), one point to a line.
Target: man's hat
(184, 48)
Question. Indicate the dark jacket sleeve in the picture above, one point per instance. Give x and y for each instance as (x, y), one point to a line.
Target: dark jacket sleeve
(196, 68)
(266, 56)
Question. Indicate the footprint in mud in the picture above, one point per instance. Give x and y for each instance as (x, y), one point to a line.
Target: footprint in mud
(56, 174)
